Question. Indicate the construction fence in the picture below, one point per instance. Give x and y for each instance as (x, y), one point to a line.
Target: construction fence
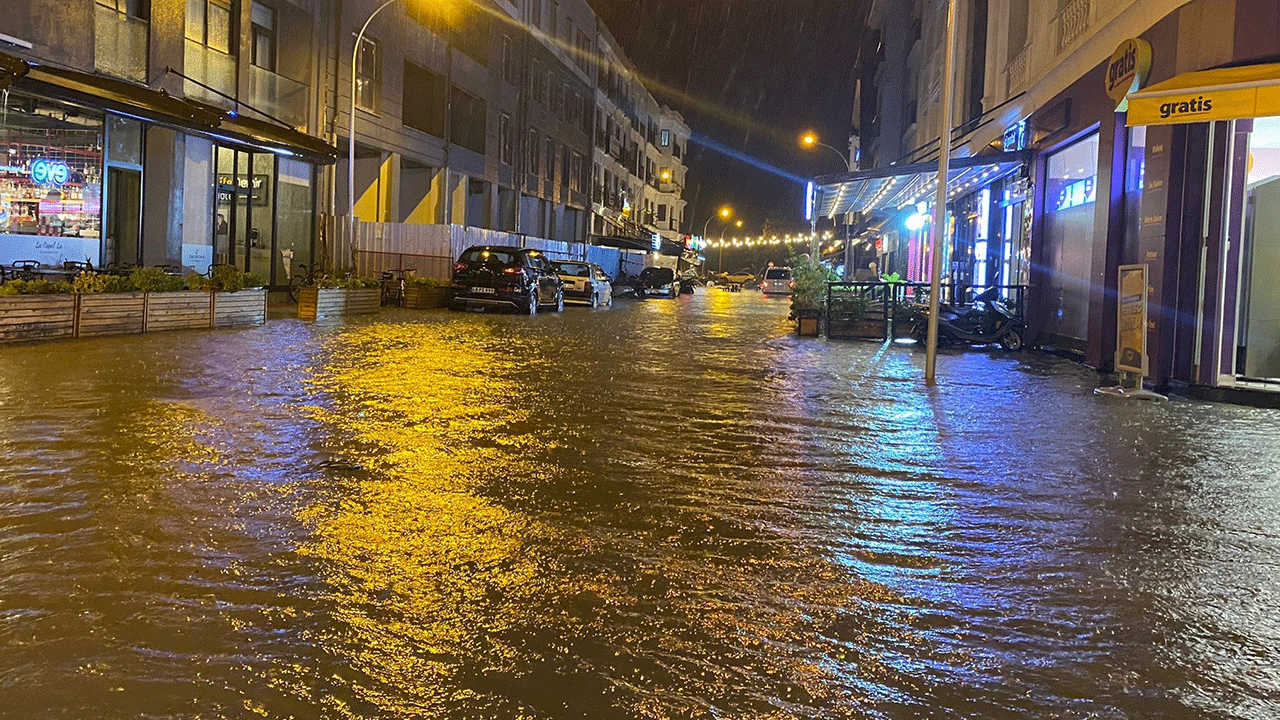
(430, 250)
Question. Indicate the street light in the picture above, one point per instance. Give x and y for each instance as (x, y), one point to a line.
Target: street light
(724, 213)
(810, 140)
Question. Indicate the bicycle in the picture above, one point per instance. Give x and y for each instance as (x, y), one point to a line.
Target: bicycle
(394, 283)
(306, 276)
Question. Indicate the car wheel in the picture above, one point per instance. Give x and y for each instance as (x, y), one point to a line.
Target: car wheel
(533, 302)
(560, 301)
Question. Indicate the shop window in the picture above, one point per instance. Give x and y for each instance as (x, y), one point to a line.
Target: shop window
(1070, 195)
(1258, 331)
(124, 141)
(263, 36)
(368, 72)
(294, 217)
(51, 171)
(423, 100)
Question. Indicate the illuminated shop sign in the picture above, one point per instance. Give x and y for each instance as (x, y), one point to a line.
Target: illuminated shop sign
(49, 172)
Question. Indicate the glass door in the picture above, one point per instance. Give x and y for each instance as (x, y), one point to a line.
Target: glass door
(244, 215)
(123, 229)
(1257, 323)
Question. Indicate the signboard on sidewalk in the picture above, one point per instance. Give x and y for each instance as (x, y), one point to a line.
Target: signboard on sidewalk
(1131, 328)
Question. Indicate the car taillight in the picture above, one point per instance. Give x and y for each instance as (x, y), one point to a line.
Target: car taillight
(513, 271)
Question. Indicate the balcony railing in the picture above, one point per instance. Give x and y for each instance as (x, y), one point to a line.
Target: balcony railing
(278, 96)
(120, 44)
(1016, 73)
(211, 68)
(1073, 21)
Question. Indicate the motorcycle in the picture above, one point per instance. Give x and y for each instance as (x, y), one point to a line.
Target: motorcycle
(988, 321)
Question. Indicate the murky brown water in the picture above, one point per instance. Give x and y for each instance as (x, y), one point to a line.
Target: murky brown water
(660, 510)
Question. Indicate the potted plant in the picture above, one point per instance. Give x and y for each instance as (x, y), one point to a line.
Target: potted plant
(426, 293)
(809, 294)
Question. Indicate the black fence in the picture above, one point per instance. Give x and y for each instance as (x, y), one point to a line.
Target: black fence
(883, 310)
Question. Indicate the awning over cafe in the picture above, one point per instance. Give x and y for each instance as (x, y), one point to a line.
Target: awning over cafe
(117, 96)
(262, 135)
(890, 188)
(1222, 94)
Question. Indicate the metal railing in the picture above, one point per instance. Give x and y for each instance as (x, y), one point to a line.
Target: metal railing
(881, 310)
(1016, 72)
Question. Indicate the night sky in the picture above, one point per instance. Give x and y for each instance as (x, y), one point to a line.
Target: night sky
(750, 75)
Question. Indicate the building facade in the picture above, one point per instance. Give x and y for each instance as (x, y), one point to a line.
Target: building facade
(200, 132)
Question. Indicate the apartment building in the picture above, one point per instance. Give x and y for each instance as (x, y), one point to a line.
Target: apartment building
(1091, 136)
(197, 132)
(638, 171)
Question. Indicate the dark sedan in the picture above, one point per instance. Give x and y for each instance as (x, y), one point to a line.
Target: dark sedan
(506, 277)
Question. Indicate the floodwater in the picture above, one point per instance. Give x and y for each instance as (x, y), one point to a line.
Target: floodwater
(664, 509)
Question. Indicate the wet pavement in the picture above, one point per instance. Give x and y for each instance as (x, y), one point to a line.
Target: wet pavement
(665, 509)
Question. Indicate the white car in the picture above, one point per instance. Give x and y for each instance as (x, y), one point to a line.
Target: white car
(585, 282)
(777, 281)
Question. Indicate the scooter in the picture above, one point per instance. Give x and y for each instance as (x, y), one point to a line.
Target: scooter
(988, 321)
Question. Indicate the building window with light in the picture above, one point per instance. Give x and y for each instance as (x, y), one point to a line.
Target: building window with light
(263, 32)
(666, 138)
(209, 24)
(368, 70)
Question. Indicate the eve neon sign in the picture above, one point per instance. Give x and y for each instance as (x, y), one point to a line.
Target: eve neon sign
(49, 172)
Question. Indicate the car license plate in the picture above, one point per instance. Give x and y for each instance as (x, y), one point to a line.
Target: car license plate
(482, 290)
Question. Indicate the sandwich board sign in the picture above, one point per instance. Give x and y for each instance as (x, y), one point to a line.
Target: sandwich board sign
(1131, 334)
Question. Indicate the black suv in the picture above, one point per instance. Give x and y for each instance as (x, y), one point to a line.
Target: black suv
(659, 281)
(496, 276)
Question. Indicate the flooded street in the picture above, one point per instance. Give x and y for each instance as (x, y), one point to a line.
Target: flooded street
(664, 509)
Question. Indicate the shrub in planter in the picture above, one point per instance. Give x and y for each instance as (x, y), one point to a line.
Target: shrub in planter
(425, 293)
(809, 294)
(154, 280)
(36, 287)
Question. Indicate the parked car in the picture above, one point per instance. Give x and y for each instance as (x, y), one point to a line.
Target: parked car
(742, 277)
(777, 281)
(506, 277)
(585, 282)
(659, 281)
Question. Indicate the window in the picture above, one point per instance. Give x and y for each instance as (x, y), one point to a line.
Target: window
(470, 33)
(209, 23)
(557, 98)
(423, 100)
(535, 152)
(536, 77)
(263, 33)
(467, 121)
(575, 173)
(566, 174)
(508, 61)
(666, 138)
(551, 159)
(140, 9)
(367, 74)
(675, 150)
(504, 139)
(535, 13)
(662, 212)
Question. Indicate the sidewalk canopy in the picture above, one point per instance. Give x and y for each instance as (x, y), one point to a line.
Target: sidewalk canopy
(118, 96)
(893, 187)
(11, 68)
(1223, 94)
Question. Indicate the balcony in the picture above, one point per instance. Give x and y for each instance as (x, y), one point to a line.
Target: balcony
(212, 68)
(1016, 72)
(1073, 21)
(278, 96)
(120, 44)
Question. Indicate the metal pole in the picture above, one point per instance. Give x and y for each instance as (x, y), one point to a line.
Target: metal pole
(351, 140)
(843, 159)
(940, 203)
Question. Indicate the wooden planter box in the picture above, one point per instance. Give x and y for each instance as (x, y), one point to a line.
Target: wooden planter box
(320, 303)
(179, 310)
(808, 323)
(32, 317)
(425, 298)
(240, 309)
(111, 314)
(863, 328)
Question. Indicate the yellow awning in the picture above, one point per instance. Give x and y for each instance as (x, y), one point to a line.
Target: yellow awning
(1224, 94)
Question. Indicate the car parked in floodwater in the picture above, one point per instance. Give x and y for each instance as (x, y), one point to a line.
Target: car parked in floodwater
(777, 281)
(497, 276)
(585, 282)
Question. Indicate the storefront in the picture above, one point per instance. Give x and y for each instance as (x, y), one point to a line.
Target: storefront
(107, 172)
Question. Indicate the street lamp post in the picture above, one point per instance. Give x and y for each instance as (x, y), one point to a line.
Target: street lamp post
(351, 139)
(940, 203)
(811, 140)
